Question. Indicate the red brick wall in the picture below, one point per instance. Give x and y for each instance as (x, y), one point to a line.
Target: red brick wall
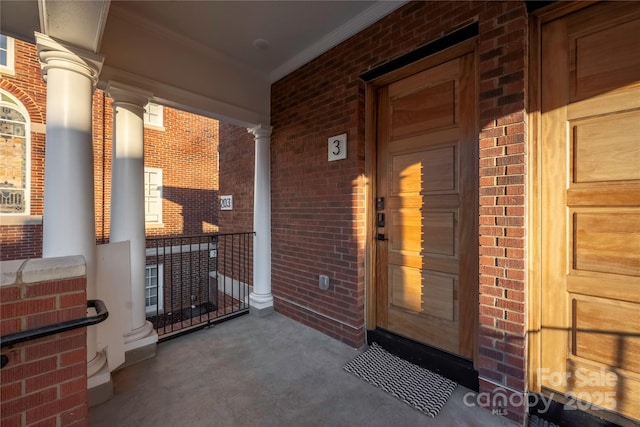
(502, 141)
(186, 150)
(25, 241)
(20, 240)
(45, 381)
(317, 207)
(102, 134)
(237, 165)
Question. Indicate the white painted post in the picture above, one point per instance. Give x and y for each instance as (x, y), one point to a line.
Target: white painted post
(69, 210)
(261, 299)
(127, 203)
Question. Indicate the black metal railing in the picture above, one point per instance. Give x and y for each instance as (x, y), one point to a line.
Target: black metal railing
(193, 281)
(31, 334)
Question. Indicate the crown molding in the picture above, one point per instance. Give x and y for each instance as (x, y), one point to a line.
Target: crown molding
(342, 33)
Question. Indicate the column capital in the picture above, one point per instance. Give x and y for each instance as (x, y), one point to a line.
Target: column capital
(127, 94)
(57, 54)
(260, 131)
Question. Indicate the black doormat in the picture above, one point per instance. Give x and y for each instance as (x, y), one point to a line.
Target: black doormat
(535, 421)
(417, 387)
(198, 310)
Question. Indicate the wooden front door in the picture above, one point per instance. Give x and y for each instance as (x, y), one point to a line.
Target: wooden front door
(590, 153)
(426, 221)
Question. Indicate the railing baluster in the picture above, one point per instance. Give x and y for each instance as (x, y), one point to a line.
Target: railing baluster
(233, 263)
(191, 300)
(171, 287)
(224, 267)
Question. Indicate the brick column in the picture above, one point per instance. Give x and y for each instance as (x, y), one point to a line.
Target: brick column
(502, 340)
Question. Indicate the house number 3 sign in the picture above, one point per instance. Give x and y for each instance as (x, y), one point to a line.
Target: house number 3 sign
(338, 147)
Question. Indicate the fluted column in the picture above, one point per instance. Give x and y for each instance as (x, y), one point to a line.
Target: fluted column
(261, 299)
(127, 203)
(69, 210)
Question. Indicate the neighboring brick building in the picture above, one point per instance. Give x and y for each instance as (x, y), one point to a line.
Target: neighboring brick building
(181, 177)
(181, 157)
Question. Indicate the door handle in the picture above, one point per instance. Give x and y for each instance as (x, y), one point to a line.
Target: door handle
(380, 219)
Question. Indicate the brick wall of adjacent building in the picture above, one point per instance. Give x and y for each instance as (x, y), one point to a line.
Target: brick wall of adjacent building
(45, 380)
(318, 207)
(18, 240)
(186, 150)
(237, 165)
(102, 134)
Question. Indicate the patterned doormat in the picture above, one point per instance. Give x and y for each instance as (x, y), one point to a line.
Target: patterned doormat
(417, 387)
(535, 421)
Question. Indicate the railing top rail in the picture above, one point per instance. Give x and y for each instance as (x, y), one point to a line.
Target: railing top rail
(193, 236)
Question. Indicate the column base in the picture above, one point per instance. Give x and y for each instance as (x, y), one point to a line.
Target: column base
(260, 305)
(140, 345)
(97, 364)
(99, 384)
(145, 332)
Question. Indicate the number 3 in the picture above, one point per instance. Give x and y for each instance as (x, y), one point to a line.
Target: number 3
(337, 147)
(336, 142)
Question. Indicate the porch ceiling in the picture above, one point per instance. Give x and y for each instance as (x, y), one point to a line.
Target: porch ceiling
(200, 55)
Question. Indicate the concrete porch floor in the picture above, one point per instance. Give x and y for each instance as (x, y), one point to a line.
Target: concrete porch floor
(270, 371)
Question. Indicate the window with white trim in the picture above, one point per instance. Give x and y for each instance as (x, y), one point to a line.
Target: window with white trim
(6, 55)
(153, 285)
(153, 115)
(153, 195)
(15, 149)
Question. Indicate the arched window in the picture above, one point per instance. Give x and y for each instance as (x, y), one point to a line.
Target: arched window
(15, 149)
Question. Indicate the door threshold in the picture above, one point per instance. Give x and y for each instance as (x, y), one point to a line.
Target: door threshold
(570, 412)
(446, 364)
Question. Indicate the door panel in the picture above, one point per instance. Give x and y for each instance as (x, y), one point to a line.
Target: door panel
(605, 148)
(427, 264)
(591, 206)
(423, 110)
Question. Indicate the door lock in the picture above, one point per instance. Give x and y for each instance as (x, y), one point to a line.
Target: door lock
(380, 219)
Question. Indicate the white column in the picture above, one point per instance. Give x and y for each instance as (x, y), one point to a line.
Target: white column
(69, 210)
(127, 203)
(261, 299)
